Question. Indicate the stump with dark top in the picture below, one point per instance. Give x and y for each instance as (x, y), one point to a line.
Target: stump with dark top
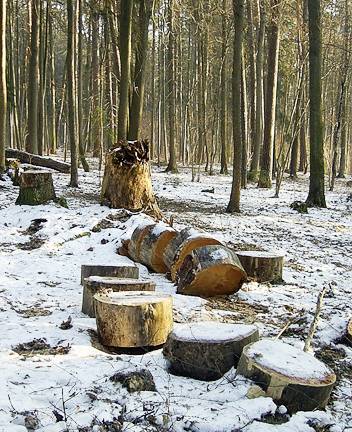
(209, 271)
(261, 265)
(207, 350)
(36, 187)
(287, 374)
(121, 271)
(95, 284)
(133, 318)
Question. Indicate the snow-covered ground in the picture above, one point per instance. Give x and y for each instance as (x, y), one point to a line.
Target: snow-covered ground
(40, 288)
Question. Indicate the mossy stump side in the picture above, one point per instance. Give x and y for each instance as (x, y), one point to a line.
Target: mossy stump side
(36, 187)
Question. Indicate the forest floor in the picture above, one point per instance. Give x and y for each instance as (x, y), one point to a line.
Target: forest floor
(55, 377)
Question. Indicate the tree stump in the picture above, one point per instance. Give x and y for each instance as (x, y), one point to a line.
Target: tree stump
(127, 182)
(133, 319)
(207, 350)
(209, 271)
(121, 271)
(192, 242)
(36, 187)
(288, 375)
(175, 243)
(147, 245)
(262, 266)
(96, 284)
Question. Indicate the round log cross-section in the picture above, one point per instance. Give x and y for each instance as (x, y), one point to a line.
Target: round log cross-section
(209, 271)
(207, 350)
(121, 271)
(262, 266)
(96, 284)
(287, 374)
(133, 319)
(36, 187)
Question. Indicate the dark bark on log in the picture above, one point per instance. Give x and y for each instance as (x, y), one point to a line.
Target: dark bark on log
(94, 285)
(210, 270)
(32, 159)
(175, 243)
(205, 358)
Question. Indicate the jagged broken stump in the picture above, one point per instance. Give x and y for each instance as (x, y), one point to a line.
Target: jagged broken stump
(96, 284)
(209, 271)
(127, 182)
(36, 187)
(207, 350)
(261, 265)
(121, 271)
(133, 319)
(287, 374)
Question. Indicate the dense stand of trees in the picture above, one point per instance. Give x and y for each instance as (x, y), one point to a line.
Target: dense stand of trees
(210, 82)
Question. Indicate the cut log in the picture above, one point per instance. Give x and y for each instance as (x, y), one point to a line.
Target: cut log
(209, 271)
(42, 161)
(133, 319)
(207, 350)
(121, 271)
(36, 187)
(175, 243)
(132, 246)
(194, 241)
(349, 332)
(150, 246)
(262, 266)
(97, 284)
(288, 375)
(127, 182)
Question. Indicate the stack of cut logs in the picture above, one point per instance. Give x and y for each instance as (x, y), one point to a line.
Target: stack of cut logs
(198, 263)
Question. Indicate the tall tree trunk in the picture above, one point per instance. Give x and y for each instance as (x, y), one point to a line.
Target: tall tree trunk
(265, 178)
(71, 89)
(3, 85)
(172, 165)
(95, 113)
(316, 195)
(223, 92)
(125, 53)
(33, 81)
(238, 11)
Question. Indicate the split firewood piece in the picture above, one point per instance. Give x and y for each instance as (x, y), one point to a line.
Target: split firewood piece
(121, 271)
(96, 284)
(209, 271)
(262, 266)
(133, 319)
(36, 187)
(207, 350)
(156, 238)
(287, 374)
(127, 182)
(194, 241)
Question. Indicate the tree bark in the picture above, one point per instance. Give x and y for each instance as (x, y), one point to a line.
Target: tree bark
(3, 86)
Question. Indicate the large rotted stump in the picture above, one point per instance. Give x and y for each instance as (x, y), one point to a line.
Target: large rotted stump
(121, 271)
(133, 319)
(209, 271)
(96, 284)
(36, 187)
(288, 375)
(207, 350)
(262, 266)
(148, 243)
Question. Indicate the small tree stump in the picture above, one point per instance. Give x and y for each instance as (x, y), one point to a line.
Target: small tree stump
(195, 241)
(207, 350)
(262, 266)
(209, 271)
(121, 271)
(133, 319)
(36, 187)
(288, 375)
(96, 284)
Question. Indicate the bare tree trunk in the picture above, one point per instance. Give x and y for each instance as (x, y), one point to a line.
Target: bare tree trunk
(238, 11)
(223, 93)
(3, 85)
(71, 89)
(316, 195)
